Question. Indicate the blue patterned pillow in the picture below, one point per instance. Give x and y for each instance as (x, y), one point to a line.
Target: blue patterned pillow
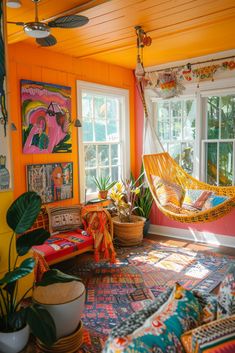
(161, 331)
(213, 201)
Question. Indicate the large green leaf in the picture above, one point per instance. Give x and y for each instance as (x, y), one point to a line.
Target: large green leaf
(17, 319)
(23, 212)
(23, 270)
(26, 241)
(41, 323)
(56, 276)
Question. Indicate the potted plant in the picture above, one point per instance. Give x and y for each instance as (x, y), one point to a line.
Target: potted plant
(103, 184)
(143, 201)
(128, 228)
(15, 318)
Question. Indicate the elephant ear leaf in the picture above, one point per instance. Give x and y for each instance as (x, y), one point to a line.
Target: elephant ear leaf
(41, 323)
(23, 212)
(27, 240)
(23, 270)
(56, 276)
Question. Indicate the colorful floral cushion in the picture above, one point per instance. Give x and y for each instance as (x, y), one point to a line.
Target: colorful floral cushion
(195, 199)
(215, 337)
(213, 201)
(62, 219)
(161, 331)
(167, 192)
(226, 294)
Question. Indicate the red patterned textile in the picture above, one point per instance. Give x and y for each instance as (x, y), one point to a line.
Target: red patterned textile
(97, 222)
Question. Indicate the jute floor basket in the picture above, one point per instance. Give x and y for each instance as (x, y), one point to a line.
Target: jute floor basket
(129, 234)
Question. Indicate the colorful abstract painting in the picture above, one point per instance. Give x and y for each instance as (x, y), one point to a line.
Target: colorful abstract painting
(53, 182)
(46, 116)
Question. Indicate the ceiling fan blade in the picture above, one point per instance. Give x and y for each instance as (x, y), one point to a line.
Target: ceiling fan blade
(17, 23)
(47, 41)
(70, 21)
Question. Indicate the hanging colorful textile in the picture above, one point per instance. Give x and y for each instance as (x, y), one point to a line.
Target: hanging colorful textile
(97, 222)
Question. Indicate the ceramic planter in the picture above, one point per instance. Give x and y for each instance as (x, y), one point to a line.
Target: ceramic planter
(129, 233)
(103, 194)
(65, 303)
(14, 342)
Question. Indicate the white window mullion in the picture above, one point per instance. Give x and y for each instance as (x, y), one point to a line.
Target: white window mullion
(217, 166)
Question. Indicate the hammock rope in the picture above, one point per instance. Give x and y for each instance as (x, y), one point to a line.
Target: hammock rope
(164, 166)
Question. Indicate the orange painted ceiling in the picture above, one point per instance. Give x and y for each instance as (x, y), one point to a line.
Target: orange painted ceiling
(180, 29)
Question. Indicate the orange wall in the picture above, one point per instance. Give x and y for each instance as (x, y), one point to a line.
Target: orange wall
(33, 63)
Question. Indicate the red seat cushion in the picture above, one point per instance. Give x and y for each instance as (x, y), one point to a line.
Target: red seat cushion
(63, 244)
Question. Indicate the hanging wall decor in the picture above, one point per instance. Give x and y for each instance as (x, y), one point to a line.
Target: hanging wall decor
(53, 182)
(5, 152)
(46, 116)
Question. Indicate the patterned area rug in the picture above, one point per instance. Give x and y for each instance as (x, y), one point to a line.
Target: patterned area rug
(139, 276)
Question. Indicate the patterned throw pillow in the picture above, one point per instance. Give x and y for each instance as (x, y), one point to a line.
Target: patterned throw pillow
(213, 201)
(62, 219)
(217, 337)
(226, 295)
(194, 199)
(161, 331)
(167, 192)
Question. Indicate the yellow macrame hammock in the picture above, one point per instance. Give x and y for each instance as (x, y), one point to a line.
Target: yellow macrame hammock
(164, 166)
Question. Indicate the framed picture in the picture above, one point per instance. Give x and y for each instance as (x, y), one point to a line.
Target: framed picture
(52, 181)
(46, 118)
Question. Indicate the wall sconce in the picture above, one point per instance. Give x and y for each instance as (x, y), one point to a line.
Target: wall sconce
(77, 123)
(14, 4)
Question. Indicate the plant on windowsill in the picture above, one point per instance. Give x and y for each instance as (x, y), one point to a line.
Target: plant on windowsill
(15, 317)
(103, 185)
(128, 228)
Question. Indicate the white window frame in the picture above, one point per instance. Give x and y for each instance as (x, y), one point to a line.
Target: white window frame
(124, 129)
(220, 87)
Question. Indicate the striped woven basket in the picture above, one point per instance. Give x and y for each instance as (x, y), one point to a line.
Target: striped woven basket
(129, 234)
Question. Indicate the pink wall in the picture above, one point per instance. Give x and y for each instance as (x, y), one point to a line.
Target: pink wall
(223, 226)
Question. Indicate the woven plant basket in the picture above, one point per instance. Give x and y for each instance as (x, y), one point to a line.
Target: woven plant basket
(129, 234)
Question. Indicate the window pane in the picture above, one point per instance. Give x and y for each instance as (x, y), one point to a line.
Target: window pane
(90, 185)
(103, 155)
(86, 106)
(187, 157)
(228, 117)
(176, 109)
(213, 117)
(164, 130)
(90, 155)
(211, 149)
(87, 131)
(100, 131)
(99, 107)
(116, 173)
(175, 151)
(163, 110)
(104, 172)
(189, 120)
(226, 163)
(176, 129)
(115, 155)
(112, 130)
(112, 108)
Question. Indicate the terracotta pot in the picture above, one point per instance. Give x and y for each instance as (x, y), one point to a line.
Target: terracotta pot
(14, 342)
(103, 194)
(65, 303)
(131, 233)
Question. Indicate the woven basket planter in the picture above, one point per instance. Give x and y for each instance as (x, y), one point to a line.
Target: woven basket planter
(129, 234)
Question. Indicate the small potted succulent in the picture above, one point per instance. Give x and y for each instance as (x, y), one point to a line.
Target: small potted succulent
(103, 185)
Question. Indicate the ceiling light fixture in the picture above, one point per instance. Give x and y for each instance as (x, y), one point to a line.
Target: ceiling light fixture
(37, 29)
(14, 4)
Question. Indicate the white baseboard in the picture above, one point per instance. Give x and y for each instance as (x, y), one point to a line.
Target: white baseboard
(192, 234)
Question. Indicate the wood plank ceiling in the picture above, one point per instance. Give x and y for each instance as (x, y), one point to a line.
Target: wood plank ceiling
(180, 29)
